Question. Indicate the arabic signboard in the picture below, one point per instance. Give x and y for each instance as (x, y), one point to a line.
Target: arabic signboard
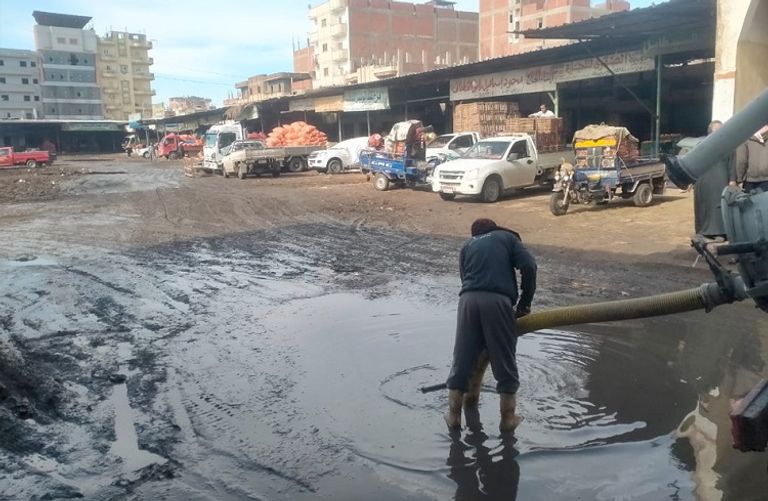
(329, 104)
(546, 78)
(373, 99)
(679, 42)
(307, 104)
(89, 126)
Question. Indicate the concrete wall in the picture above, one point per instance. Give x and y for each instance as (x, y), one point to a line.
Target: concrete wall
(740, 69)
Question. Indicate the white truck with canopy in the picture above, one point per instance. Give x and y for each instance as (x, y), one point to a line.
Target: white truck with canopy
(496, 165)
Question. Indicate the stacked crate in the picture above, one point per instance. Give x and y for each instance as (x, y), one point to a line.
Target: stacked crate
(546, 132)
(489, 118)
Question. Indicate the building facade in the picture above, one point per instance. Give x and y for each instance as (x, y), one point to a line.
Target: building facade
(187, 104)
(67, 54)
(501, 19)
(123, 73)
(264, 87)
(354, 41)
(19, 84)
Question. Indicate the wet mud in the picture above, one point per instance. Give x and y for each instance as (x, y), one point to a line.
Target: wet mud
(285, 362)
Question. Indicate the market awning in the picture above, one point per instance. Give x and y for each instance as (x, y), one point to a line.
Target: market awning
(670, 18)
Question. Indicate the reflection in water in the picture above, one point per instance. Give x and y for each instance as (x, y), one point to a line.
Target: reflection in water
(481, 472)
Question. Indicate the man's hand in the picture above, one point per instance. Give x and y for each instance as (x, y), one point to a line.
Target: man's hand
(521, 311)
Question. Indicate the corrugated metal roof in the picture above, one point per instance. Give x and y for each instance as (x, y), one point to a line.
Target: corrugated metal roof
(672, 17)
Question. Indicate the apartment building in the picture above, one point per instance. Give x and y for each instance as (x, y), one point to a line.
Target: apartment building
(264, 87)
(67, 52)
(354, 41)
(501, 19)
(187, 104)
(19, 84)
(123, 73)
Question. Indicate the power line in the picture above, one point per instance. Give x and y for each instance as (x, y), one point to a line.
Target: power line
(166, 77)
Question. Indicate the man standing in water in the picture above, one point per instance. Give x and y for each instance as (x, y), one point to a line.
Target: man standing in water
(486, 316)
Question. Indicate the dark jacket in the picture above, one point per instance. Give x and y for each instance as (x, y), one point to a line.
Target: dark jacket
(487, 263)
(752, 161)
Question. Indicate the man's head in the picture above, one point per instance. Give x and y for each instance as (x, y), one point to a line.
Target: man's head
(713, 126)
(543, 107)
(483, 226)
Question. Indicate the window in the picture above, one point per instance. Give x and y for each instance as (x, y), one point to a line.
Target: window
(124, 69)
(61, 40)
(325, 47)
(23, 64)
(4, 97)
(461, 142)
(520, 149)
(2, 63)
(540, 23)
(25, 81)
(85, 61)
(73, 41)
(323, 23)
(27, 98)
(33, 64)
(34, 80)
(2, 79)
(325, 72)
(37, 98)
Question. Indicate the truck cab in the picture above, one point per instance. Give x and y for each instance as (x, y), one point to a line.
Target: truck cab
(218, 139)
(457, 143)
(492, 166)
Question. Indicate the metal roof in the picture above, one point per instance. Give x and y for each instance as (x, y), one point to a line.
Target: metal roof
(60, 20)
(670, 18)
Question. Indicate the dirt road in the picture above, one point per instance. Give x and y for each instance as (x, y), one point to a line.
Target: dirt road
(208, 338)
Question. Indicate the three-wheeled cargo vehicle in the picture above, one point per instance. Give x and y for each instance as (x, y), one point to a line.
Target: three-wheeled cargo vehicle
(607, 165)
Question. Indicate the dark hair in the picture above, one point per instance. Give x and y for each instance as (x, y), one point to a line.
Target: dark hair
(483, 226)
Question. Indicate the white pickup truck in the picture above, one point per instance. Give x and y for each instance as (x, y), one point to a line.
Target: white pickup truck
(457, 143)
(495, 165)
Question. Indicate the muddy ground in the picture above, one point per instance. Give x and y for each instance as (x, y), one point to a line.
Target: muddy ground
(165, 337)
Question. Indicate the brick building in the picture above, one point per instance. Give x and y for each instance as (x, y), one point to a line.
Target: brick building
(500, 19)
(355, 41)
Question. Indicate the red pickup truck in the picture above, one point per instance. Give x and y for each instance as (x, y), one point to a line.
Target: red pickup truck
(9, 158)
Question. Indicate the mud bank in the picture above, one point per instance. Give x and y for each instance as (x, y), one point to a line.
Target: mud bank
(284, 364)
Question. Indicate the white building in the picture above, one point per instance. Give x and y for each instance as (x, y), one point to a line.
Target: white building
(68, 56)
(19, 84)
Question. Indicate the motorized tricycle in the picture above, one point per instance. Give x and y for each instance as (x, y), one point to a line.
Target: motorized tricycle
(607, 166)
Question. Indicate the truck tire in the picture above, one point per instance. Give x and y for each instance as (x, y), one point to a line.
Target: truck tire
(491, 189)
(447, 196)
(296, 164)
(31, 163)
(643, 195)
(335, 166)
(557, 205)
(380, 182)
(145, 154)
(224, 172)
(173, 156)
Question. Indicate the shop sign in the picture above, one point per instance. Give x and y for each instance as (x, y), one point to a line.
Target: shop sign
(373, 99)
(329, 104)
(678, 42)
(89, 126)
(545, 78)
(306, 104)
(172, 127)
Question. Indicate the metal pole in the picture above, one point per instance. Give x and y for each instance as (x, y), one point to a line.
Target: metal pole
(338, 114)
(685, 170)
(368, 121)
(657, 118)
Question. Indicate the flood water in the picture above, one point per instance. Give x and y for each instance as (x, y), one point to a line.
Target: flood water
(258, 368)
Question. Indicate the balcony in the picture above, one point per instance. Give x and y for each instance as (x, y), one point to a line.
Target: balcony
(108, 73)
(144, 92)
(339, 30)
(337, 5)
(107, 57)
(147, 76)
(339, 55)
(111, 90)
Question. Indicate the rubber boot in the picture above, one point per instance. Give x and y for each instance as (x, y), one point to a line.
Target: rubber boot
(453, 416)
(509, 420)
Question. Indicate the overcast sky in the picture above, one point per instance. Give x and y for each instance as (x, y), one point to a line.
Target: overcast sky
(200, 47)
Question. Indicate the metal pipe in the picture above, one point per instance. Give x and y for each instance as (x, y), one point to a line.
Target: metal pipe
(686, 170)
(657, 118)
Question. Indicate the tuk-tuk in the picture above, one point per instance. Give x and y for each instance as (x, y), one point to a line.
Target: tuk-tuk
(607, 165)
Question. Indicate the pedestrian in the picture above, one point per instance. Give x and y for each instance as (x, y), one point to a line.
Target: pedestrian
(542, 113)
(707, 194)
(486, 317)
(752, 162)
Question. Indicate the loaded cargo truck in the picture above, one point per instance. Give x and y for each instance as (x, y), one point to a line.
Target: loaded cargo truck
(174, 146)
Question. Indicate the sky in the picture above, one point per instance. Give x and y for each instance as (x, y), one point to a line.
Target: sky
(200, 47)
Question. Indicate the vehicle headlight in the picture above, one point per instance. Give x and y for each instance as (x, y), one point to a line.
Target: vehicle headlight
(471, 174)
(557, 176)
(566, 177)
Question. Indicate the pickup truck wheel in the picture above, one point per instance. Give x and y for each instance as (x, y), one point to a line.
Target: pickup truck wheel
(296, 164)
(145, 154)
(557, 204)
(381, 182)
(447, 196)
(643, 195)
(491, 190)
(31, 163)
(335, 167)
(173, 155)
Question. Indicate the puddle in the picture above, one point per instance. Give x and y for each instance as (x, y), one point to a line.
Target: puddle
(125, 446)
